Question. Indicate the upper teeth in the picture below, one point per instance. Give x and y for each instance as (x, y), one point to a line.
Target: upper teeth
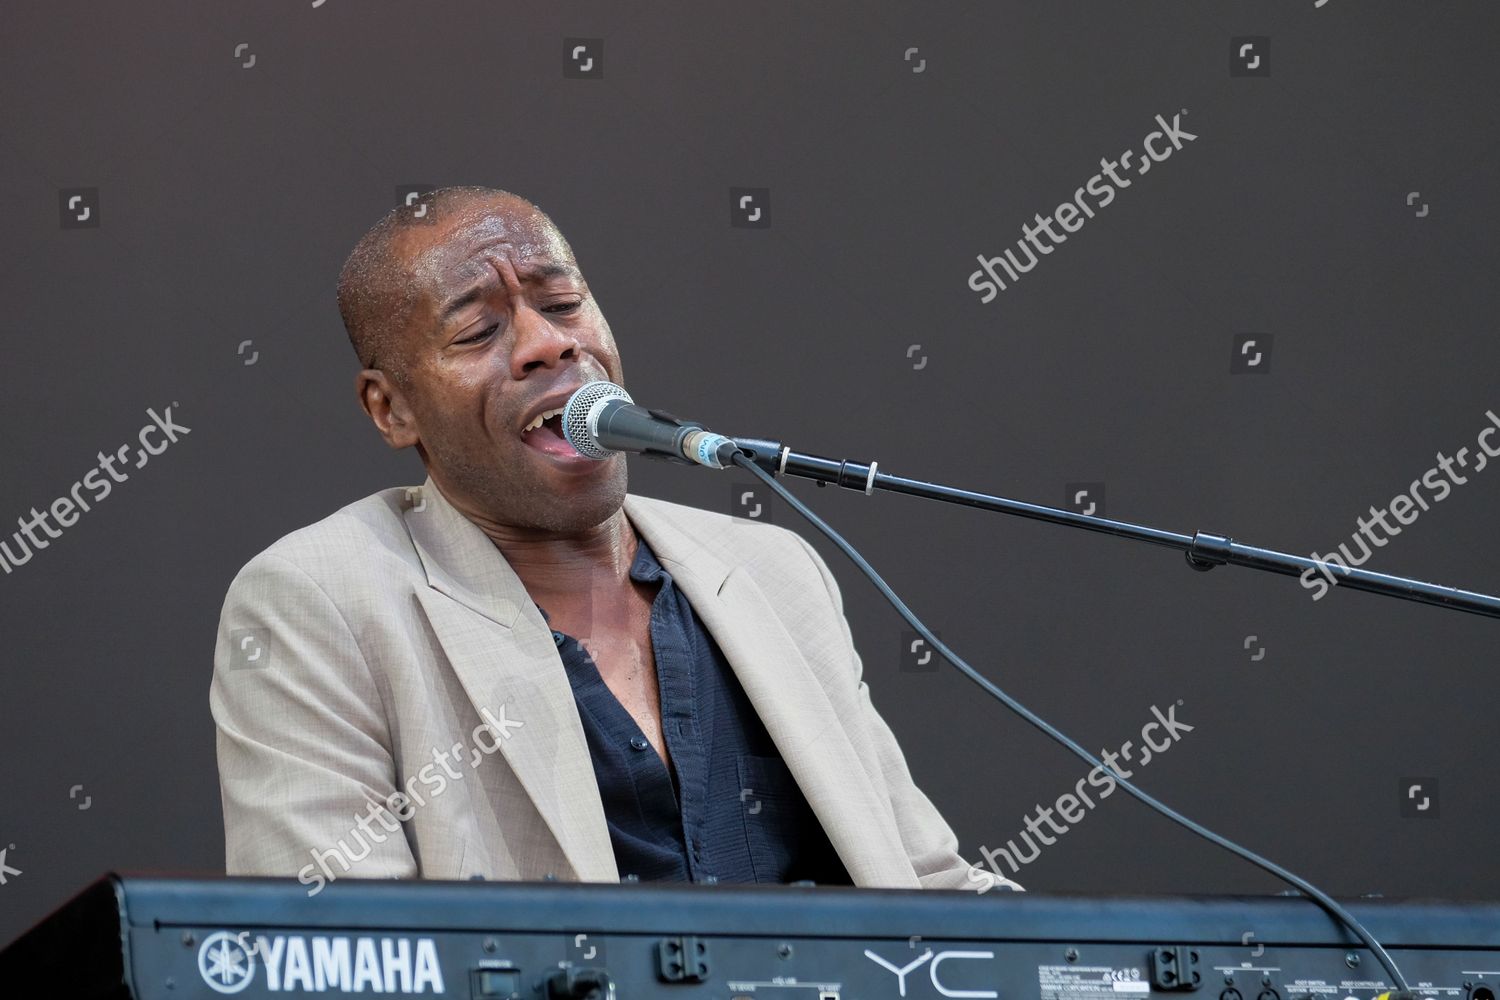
(537, 420)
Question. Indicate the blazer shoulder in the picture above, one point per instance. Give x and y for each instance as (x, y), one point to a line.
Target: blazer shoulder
(365, 540)
(739, 541)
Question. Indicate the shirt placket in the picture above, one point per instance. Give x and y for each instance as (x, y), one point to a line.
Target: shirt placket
(680, 725)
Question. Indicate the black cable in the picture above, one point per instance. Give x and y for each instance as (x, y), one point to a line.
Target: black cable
(1318, 895)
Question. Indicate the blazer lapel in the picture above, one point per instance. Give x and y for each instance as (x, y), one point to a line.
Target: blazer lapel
(503, 654)
(787, 697)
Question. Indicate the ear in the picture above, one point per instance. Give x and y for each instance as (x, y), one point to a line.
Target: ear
(387, 406)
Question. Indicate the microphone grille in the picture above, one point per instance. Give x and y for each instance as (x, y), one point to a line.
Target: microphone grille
(575, 418)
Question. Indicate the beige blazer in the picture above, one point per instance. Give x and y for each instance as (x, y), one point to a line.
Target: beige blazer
(390, 703)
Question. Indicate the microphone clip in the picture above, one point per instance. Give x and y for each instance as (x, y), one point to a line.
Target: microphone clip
(673, 454)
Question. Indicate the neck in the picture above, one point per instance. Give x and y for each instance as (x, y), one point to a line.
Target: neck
(550, 562)
(555, 563)
(556, 567)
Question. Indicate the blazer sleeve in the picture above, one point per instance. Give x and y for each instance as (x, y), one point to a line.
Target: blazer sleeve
(930, 842)
(304, 748)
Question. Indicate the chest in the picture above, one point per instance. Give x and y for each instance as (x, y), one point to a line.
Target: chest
(615, 628)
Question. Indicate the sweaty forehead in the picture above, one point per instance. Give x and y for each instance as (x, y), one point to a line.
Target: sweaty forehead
(461, 249)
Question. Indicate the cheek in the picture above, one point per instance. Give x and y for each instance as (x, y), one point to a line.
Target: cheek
(457, 405)
(607, 352)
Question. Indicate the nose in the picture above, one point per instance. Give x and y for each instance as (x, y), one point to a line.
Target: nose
(539, 344)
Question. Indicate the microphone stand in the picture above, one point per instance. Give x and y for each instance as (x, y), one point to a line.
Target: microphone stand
(1203, 551)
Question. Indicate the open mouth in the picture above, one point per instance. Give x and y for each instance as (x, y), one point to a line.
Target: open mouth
(545, 434)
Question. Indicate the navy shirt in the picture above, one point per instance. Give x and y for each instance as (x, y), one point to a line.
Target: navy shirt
(734, 812)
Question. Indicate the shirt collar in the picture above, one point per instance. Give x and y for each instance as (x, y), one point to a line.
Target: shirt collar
(644, 569)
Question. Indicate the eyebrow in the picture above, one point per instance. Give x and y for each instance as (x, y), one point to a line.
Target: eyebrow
(474, 292)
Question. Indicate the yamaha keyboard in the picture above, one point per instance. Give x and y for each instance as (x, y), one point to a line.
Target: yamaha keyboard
(162, 938)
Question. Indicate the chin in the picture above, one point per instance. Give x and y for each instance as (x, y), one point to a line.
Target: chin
(530, 503)
(585, 508)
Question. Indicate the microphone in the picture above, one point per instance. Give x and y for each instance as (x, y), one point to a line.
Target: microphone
(600, 419)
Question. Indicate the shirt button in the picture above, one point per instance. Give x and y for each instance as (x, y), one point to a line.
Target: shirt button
(557, 638)
(639, 742)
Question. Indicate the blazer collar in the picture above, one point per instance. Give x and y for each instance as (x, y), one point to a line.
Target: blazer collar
(460, 560)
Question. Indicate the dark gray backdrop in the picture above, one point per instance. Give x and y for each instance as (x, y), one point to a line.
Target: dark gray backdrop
(1342, 204)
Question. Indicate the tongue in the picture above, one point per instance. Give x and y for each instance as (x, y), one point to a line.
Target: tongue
(549, 438)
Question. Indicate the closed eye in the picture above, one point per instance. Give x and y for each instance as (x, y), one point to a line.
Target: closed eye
(559, 307)
(481, 335)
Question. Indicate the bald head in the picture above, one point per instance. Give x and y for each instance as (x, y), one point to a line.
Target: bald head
(378, 285)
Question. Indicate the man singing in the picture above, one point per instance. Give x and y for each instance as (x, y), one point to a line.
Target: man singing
(517, 670)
